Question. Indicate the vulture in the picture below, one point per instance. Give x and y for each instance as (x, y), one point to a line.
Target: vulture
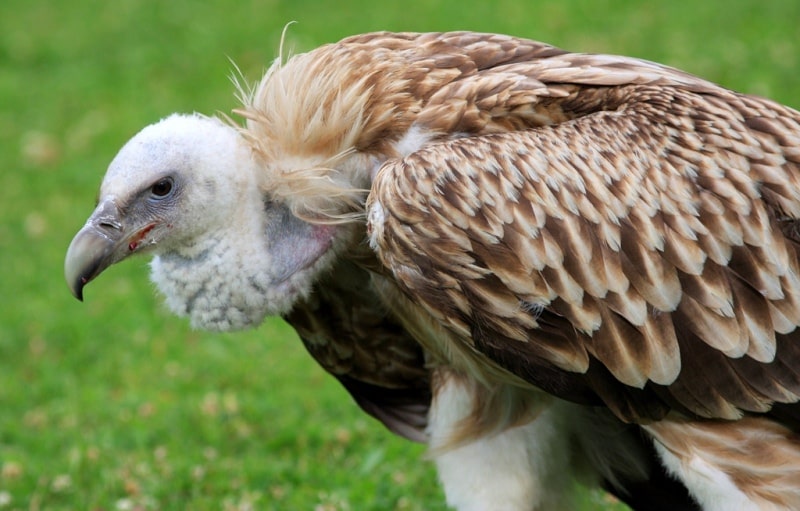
(553, 268)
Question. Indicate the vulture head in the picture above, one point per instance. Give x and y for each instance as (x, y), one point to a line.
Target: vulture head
(227, 252)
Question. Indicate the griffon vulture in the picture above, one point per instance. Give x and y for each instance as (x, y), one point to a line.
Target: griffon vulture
(546, 265)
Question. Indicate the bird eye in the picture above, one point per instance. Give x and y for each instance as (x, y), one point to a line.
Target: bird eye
(162, 188)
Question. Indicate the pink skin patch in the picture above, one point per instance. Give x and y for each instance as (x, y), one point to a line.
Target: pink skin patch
(321, 241)
(139, 236)
(300, 250)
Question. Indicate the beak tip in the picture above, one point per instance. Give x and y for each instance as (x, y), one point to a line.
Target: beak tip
(76, 287)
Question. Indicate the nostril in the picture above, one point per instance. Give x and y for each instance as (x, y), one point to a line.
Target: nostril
(110, 225)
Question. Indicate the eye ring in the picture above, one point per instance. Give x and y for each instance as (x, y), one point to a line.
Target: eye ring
(162, 188)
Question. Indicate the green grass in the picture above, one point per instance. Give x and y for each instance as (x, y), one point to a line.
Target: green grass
(113, 404)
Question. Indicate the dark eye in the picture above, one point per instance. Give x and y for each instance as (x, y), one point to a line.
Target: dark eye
(162, 188)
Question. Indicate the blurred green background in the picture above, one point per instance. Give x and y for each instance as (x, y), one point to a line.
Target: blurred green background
(115, 405)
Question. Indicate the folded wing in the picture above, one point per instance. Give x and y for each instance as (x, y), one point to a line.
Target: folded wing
(648, 246)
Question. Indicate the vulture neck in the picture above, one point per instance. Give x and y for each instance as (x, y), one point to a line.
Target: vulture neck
(195, 281)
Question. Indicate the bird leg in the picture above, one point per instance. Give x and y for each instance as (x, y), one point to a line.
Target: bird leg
(518, 468)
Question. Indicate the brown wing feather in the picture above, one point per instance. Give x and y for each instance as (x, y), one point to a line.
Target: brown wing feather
(350, 334)
(648, 243)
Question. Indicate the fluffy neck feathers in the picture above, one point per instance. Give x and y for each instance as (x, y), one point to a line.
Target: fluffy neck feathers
(213, 299)
(259, 265)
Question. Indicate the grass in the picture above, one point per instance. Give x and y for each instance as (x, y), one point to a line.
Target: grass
(113, 404)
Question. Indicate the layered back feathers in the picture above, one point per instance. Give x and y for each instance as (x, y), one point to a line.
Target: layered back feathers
(321, 121)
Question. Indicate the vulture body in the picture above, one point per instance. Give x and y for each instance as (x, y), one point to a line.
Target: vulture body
(546, 265)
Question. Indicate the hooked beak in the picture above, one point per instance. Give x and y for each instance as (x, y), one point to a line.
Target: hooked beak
(99, 244)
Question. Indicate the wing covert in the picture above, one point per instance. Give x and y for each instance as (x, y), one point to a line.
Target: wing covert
(650, 246)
